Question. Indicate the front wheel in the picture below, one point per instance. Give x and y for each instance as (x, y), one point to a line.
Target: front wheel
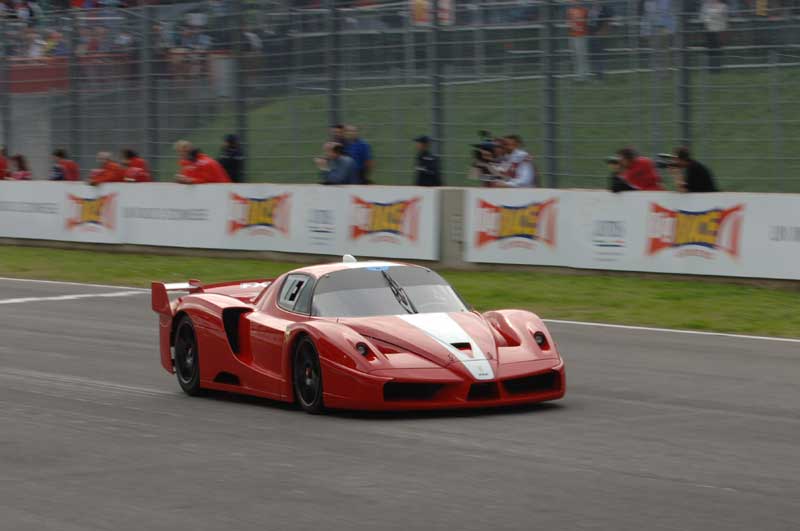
(308, 377)
(187, 359)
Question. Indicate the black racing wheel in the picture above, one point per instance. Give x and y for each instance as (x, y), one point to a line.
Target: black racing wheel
(187, 360)
(307, 377)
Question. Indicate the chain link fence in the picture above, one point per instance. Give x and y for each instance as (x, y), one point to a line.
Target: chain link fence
(653, 74)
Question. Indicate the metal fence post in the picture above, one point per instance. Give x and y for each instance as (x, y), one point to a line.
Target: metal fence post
(684, 76)
(409, 48)
(479, 20)
(550, 94)
(334, 63)
(777, 127)
(149, 104)
(438, 82)
(5, 82)
(73, 94)
(240, 84)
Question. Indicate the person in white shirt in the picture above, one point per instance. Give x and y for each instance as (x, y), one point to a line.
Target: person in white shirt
(715, 17)
(521, 172)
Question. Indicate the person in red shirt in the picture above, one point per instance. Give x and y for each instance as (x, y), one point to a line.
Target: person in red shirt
(638, 172)
(64, 169)
(3, 163)
(197, 167)
(578, 20)
(108, 172)
(136, 168)
(21, 172)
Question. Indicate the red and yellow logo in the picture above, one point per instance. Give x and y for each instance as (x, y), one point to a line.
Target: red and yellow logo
(400, 218)
(717, 229)
(520, 226)
(92, 212)
(267, 213)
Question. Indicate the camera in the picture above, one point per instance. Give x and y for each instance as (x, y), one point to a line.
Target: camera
(613, 159)
(667, 160)
(486, 144)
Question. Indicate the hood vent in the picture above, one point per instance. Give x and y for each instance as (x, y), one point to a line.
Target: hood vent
(461, 346)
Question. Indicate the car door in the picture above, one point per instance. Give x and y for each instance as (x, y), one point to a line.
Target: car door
(267, 331)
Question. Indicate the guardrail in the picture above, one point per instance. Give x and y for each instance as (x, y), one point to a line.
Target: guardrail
(726, 234)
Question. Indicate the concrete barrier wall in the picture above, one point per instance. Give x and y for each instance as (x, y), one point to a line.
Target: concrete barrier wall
(740, 235)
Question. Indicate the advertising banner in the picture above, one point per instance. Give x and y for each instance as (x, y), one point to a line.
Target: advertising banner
(399, 222)
(728, 234)
(31, 210)
(514, 227)
(259, 217)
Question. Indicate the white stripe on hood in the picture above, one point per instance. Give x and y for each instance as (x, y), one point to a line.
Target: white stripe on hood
(446, 331)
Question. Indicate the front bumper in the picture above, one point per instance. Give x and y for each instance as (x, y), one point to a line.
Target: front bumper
(403, 390)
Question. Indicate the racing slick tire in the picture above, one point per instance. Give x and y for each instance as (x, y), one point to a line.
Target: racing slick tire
(187, 359)
(307, 377)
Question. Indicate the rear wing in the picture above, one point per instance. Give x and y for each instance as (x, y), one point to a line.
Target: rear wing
(159, 294)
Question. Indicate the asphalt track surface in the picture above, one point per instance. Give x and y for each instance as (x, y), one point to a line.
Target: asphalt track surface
(658, 431)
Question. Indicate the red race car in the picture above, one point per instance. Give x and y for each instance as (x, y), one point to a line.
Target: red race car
(355, 335)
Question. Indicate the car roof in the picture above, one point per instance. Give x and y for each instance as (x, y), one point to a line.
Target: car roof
(320, 270)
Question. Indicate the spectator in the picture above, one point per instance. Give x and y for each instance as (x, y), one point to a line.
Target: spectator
(21, 171)
(598, 22)
(337, 134)
(577, 20)
(337, 167)
(692, 176)
(63, 168)
(34, 45)
(55, 45)
(715, 18)
(360, 152)
(197, 167)
(108, 172)
(136, 169)
(3, 163)
(638, 172)
(428, 173)
(615, 182)
(232, 158)
(520, 169)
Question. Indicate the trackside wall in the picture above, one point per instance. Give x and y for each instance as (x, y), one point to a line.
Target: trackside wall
(722, 234)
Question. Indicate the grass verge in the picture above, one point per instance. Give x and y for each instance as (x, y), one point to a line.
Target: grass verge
(689, 304)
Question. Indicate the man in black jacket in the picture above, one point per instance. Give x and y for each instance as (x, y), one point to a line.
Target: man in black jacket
(231, 158)
(695, 176)
(428, 173)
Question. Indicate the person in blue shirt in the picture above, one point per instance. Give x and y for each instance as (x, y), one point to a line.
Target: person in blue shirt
(360, 152)
(336, 167)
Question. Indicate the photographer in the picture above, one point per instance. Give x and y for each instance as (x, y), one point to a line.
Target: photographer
(521, 173)
(690, 175)
(489, 162)
(638, 172)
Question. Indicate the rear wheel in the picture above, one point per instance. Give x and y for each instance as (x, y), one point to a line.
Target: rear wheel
(187, 360)
(307, 377)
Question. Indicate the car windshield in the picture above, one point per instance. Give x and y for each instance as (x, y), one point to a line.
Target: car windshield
(381, 290)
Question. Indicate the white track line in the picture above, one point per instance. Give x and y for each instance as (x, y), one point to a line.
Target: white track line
(673, 331)
(555, 321)
(70, 297)
(63, 283)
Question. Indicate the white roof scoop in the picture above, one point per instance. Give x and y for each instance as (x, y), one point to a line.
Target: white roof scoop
(349, 259)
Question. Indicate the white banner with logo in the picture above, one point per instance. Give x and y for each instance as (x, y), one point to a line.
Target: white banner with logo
(729, 234)
(398, 222)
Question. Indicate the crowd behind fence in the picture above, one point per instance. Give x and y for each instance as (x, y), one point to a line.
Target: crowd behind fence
(655, 74)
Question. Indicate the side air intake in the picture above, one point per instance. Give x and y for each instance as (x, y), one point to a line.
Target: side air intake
(230, 319)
